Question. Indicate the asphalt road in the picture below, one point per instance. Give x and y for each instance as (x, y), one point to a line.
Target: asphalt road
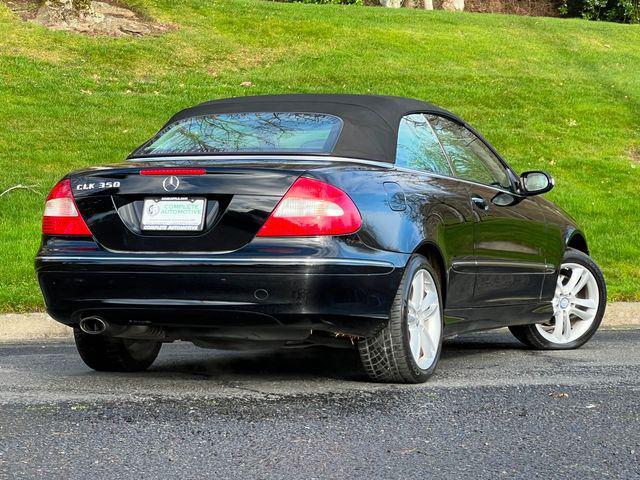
(493, 410)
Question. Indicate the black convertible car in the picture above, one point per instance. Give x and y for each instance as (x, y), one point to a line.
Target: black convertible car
(294, 220)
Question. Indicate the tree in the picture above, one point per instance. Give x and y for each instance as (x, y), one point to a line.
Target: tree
(65, 12)
(453, 5)
(77, 5)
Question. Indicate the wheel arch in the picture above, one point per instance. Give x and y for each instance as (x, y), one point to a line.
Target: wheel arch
(578, 241)
(432, 252)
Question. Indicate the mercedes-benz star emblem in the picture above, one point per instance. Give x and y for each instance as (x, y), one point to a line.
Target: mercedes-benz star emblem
(171, 184)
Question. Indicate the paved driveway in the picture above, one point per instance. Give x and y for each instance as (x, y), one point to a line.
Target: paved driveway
(493, 410)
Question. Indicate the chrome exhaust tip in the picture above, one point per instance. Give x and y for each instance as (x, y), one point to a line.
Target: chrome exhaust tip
(93, 325)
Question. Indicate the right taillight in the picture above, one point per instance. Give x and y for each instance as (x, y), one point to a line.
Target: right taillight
(312, 208)
(61, 216)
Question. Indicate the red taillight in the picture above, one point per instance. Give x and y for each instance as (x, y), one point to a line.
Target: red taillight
(173, 171)
(312, 208)
(61, 216)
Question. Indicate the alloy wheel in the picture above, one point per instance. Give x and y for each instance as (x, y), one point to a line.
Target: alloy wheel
(423, 318)
(575, 305)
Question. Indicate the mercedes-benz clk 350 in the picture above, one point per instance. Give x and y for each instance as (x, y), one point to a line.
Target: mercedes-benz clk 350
(292, 220)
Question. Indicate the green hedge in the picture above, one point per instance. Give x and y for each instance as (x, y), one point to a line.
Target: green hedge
(622, 11)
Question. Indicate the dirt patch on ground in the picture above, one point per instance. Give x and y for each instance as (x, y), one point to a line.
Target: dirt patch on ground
(634, 155)
(98, 18)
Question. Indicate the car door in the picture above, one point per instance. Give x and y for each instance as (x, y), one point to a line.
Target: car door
(509, 229)
(439, 204)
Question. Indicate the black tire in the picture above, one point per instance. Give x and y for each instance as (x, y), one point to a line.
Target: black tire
(529, 334)
(386, 356)
(110, 354)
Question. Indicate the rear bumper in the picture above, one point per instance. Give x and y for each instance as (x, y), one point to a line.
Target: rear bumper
(243, 295)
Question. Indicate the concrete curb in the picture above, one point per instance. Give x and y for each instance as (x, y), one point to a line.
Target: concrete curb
(31, 327)
(37, 327)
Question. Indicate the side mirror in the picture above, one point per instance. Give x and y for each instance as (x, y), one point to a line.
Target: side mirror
(536, 183)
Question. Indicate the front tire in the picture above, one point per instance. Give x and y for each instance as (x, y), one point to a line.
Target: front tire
(408, 348)
(111, 354)
(579, 304)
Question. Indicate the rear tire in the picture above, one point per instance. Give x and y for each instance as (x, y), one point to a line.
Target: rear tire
(111, 354)
(578, 310)
(408, 348)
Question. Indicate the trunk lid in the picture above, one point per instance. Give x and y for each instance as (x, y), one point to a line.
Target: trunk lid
(238, 198)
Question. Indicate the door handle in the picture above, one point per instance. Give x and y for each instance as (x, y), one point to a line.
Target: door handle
(480, 202)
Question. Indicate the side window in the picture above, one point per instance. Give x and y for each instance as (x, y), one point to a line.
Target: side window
(469, 156)
(418, 146)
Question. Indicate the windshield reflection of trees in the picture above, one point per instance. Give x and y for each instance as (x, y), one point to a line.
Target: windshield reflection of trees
(240, 132)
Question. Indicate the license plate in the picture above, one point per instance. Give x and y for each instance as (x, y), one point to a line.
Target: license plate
(173, 214)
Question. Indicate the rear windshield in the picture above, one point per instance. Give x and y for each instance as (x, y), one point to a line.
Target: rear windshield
(247, 132)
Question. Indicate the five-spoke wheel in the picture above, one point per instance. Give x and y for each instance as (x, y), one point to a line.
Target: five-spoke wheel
(578, 306)
(408, 348)
(423, 318)
(575, 305)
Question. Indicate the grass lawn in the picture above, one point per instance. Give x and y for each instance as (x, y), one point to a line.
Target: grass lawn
(560, 95)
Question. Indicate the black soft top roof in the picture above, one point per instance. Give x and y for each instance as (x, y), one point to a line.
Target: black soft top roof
(371, 122)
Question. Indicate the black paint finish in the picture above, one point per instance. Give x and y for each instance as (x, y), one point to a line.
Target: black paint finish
(497, 261)
(499, 250)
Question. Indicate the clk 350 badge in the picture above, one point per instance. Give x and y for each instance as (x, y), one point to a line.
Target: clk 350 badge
(99, 185)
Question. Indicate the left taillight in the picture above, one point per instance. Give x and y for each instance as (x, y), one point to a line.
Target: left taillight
(61, 216)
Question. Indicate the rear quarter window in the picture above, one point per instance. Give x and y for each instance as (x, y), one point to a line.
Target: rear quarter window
(418, 146)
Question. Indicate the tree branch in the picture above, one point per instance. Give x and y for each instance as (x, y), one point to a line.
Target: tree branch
(31, 188)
